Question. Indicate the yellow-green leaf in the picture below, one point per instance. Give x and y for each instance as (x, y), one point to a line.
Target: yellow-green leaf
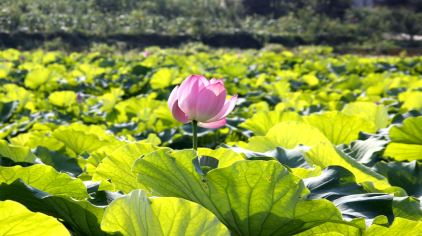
(16, 219)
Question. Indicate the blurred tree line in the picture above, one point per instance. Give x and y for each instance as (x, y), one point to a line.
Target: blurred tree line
(384, 20)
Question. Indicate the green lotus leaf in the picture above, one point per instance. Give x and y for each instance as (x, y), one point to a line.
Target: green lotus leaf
(411, 100)
(400, 226)
(5, 68)
(117, 166)
(7, 109)
(163, 77)
(15, 219)
(304, 173)
(377, 114)
(406, 140)
(109, 100)
(136, 214)
(338, 127)
(334, 182)
(354, 201)
(404, 152)
(366, 151)
(46, 179)
(249, 197)
(407, 175)
(332, 229)
(410, 132)
(60, 161)
(261, 122)
(62, 98)
(348, 125)
(226, 157)
(79, 138)
(407, 207)
(80, 216)
(16, 153)
(78, 142)
(151, 114)
(15, 93)
(233, 69)
(37, 77)
(89, 71)
(34, 139)
(322, 152)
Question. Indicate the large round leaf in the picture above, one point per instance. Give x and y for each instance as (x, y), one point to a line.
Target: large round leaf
(80, 216)
(407, 175)
(322, 152)
(400, 226)
(136, 215)
(250, 197)
(46, 179)
(15, 219)
(261, 122)
(340, 128)
(63, 98)
(377, 114)
(116, 168)
(16, 153)
(406, 140)
(79, 138)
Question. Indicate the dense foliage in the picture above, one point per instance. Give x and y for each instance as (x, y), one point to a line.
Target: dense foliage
(296, 22)
(318, 143)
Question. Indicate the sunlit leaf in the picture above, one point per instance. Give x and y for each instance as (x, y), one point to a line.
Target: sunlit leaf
(16, 153)
(62, 98)
(250, 197)
(406, 140)
(261, 122)
(368, 111)
(117, 166)
(15, 219)
(339, 128)
(136, 214)
(321, 153)
(46, 179)
(400, 226)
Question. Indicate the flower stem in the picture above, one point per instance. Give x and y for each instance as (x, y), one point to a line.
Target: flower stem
(195, 134)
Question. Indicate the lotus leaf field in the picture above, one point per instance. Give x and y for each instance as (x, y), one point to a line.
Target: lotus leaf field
(318, 144)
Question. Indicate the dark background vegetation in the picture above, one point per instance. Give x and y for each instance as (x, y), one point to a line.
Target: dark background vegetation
(380, 25)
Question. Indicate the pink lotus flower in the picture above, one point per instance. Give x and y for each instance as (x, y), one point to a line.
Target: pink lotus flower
(146, 53)
(201, 100)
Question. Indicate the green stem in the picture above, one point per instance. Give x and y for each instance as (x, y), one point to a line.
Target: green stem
(195, 134)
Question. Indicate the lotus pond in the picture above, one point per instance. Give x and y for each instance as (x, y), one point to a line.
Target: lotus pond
(318, 144)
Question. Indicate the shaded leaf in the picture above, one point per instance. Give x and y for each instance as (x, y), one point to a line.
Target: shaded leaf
(7, 109)
(407, 175)
(61, 162)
